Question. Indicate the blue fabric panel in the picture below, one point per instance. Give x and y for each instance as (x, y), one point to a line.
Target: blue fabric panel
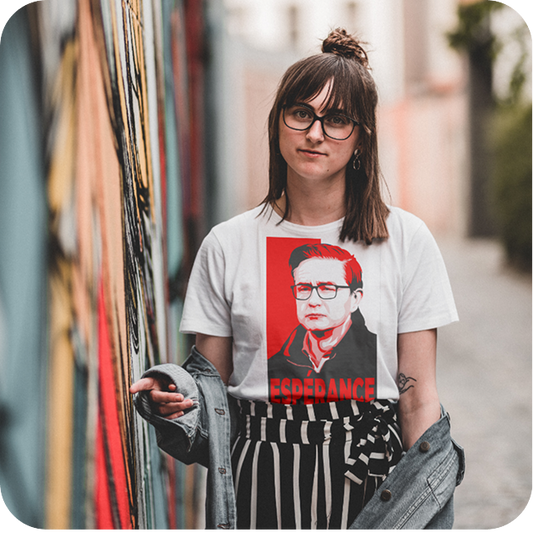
(22, 277)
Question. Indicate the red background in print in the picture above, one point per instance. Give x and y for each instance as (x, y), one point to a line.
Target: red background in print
(281, 309)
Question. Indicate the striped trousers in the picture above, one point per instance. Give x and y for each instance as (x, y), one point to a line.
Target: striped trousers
(311, 466)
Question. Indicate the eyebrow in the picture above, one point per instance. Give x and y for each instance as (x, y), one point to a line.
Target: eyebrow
(318, 283)
(328, 111)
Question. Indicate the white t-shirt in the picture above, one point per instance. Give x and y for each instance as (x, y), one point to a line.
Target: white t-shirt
(241, 286)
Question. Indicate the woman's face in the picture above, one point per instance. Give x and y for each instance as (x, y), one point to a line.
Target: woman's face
(311, 155)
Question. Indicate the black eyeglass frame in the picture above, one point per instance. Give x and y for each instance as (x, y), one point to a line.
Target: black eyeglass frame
(319, 118)
(317, 287)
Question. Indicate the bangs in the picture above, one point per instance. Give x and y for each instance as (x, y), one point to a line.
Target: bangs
(309, 80)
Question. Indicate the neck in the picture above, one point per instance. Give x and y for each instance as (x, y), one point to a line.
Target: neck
(328, 339)
(319, 344)
(314, 205)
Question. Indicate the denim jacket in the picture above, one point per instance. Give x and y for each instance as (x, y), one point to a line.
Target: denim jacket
(417, 494)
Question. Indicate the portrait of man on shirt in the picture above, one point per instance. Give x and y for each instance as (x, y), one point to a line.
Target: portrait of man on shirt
(330, 355)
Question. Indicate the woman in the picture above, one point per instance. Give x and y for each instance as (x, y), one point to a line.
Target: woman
(333, 381)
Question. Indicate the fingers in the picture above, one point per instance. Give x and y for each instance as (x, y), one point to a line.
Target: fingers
(148, 383)
(159, 396)
(168, 404)
(174, 410)
(164, 399)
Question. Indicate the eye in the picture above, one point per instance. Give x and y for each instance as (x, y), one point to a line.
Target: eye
(301, 113)
(303, 287)
(337, 120)
(326, 287)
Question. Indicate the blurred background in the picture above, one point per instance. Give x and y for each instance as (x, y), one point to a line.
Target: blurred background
(128, 129)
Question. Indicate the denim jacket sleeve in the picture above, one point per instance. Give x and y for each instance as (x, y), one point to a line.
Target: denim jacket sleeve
(418, 493)
(186, 438)
(183, 438)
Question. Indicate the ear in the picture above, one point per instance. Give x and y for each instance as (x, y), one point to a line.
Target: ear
(357, 296)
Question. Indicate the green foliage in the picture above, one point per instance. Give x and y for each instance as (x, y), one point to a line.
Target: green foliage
(518, 77)
(511, 181)
(473, 33)
(511, 126)
(472, 26)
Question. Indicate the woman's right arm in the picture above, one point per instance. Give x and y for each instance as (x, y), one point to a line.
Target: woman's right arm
(164, 395)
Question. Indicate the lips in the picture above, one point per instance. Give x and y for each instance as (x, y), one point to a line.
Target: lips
(310, 153)
(314, 316)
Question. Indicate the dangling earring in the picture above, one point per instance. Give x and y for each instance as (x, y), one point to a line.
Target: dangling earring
(356, 163)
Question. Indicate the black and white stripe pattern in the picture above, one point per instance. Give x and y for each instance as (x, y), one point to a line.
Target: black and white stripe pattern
(311, 466)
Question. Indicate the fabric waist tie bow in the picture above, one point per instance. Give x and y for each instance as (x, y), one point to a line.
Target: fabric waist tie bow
(370, 428)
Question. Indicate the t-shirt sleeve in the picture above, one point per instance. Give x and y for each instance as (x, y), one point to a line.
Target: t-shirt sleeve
(206, 309)
(427, 300)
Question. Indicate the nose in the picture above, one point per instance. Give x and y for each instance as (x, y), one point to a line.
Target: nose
(315, 132)
(314, 299)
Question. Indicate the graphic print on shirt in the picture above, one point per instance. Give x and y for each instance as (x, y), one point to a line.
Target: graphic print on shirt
(319, 349)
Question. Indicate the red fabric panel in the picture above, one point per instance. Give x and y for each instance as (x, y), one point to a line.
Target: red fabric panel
(102, 505)
(112, 483)
(281, 310)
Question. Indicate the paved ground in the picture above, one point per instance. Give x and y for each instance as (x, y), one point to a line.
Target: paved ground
(485, 384)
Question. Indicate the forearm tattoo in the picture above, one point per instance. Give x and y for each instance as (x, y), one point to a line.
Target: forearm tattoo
(404, 383)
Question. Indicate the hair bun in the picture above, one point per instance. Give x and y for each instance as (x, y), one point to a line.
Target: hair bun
(343, 44)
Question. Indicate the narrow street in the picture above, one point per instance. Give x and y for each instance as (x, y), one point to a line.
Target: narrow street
(484, 368)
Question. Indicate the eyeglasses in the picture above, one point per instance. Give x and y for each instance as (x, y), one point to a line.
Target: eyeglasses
(326, 291)
(336, 125)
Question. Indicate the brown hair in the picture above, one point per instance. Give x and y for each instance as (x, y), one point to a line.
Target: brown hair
(344, 60)
(353, 273)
